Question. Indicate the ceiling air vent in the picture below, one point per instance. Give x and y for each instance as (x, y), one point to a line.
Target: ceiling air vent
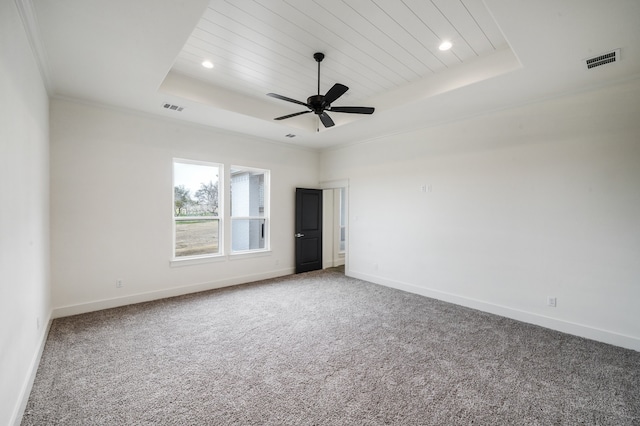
(173, 107)
(605, 58)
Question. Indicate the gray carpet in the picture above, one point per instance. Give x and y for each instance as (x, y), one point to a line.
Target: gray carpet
(324, 349)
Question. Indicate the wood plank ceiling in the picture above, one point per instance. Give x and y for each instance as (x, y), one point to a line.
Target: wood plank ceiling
(372, 46)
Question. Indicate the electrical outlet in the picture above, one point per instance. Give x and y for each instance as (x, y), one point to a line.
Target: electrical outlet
(551, 302)
(118, 283)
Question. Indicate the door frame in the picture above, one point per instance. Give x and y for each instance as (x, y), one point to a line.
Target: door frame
(339, 184)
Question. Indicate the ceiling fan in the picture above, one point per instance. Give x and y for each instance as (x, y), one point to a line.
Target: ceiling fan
(319, 104)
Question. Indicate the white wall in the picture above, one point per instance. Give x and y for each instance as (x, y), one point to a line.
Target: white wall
(111, 210)
(521, 204)
(24, 214)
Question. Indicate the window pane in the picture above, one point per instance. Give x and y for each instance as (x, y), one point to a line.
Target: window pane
(248, 234)
(196, 237)
(196, 208)
(247, 193)
(195, 189)
(249, 209)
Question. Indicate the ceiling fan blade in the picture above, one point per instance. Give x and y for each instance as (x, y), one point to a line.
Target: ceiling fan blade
(334, 93)
(326, 120)
(284, 98)
(291, 115)
(353, 110)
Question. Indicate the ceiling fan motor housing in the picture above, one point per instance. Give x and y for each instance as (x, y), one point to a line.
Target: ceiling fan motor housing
(316, 102)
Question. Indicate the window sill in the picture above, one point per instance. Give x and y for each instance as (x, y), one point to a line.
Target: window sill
(246, 254)
(196, 260)
(199, 260)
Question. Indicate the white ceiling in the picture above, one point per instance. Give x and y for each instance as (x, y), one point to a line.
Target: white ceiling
(373, 46)
(142, 54)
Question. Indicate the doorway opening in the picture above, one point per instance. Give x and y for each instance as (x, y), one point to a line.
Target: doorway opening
(335, 237)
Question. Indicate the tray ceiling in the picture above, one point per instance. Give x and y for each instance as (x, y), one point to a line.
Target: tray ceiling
(146, 54)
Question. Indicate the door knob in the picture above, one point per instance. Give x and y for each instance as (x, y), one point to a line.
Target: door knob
(298, 235)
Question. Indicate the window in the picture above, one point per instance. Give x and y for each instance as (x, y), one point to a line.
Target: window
(249, 209)
(196, 208)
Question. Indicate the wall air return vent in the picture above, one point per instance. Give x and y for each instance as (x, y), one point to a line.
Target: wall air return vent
(172, 107)
(605, 58)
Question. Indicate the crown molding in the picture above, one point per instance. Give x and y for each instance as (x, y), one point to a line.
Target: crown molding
(32, 30)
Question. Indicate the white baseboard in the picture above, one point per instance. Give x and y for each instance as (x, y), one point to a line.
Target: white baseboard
(332, 263)
(65, 311)
(25, 392)
(575, 329)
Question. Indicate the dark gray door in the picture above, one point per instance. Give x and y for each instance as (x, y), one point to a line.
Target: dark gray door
(308, 230)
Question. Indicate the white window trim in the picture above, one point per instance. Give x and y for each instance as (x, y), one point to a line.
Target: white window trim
(204, 258)
(249, 253)
(196, 260)
(266, 214)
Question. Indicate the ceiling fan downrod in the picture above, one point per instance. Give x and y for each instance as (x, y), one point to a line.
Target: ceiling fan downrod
(318, 56)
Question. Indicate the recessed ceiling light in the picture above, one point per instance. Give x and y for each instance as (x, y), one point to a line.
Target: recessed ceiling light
(445, 45)
(207, 64)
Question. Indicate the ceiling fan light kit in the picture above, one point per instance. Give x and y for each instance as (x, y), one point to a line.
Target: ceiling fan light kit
(320, 104)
